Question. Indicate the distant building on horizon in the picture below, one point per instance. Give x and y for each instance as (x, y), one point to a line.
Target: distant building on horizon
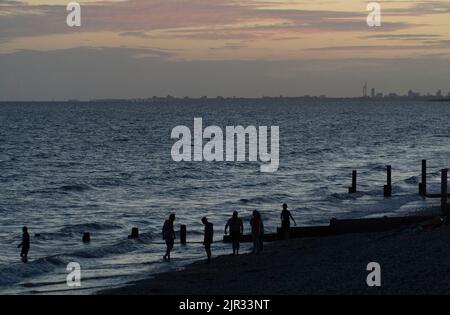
(412, 94)
(372, 92)
(393, 95)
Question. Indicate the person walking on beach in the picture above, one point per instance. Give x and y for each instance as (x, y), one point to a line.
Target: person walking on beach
(25, 244)
(169, 235)
(236, 229)
(208, 237)
(255, 223)
(286, 217)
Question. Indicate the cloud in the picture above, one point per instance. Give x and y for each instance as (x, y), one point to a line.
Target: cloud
(406, 37)
(365, 47)
(21, 19)
(418, 8)
(195, 19)
(381, 47)
(229, 46)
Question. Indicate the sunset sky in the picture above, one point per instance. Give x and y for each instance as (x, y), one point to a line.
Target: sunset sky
(141, 48)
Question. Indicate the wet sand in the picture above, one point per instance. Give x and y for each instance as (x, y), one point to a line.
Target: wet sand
(414, 260)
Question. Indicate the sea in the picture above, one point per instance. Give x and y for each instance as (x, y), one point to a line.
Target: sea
(105, 167)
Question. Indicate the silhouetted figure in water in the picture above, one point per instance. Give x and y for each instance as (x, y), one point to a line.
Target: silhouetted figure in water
(25, 244)
(169, 235)
(255, 223)
(261, 237)
(208, 237)
(236, 229)
(286, 221)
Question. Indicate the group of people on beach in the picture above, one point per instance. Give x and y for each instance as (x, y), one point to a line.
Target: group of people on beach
(168, 234)
(234, 226)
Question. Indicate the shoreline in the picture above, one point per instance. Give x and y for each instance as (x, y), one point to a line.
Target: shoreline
(413, 260)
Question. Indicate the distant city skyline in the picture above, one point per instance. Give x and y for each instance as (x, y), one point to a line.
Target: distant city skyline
(245, 48)
(410, 95)
(374, 93)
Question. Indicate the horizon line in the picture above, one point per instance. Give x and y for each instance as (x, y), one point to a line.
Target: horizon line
(390, 97)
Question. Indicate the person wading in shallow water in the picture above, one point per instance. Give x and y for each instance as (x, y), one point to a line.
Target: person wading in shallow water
(286, 221)
(25, 244)
(169, 235)
(208, 238)
(261, 236)
(255, 223)
(236, 229)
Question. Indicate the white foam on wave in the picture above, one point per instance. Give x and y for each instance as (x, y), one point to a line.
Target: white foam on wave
(17, 272)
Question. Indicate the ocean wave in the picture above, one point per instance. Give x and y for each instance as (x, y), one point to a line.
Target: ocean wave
(52, 235)
(110, 183)
(60, 164)
(377, 167)
(121, 247)
(441, 136)
(121, 139)
(71, 230)
(3, 209)
(17, 272)
(344, 196)
(89, 227)
(4, 158)
(41, 155)
(264, 199)
(75, 187)
(412, 180)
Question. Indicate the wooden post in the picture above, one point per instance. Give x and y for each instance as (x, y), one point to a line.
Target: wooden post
(86, 237)
(352, 190)
(183, 234)
(423, 184)
(388, 186)
(444, 190)
(134, 233)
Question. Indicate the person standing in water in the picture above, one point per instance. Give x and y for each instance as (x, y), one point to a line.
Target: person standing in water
(286, 221)
(208, 237)
(255, 223)
(261, 232)
(236, 229)
(169, 235)
(25, 244)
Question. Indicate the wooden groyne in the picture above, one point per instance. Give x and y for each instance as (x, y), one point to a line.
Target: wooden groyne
(337, 227)
(343, 226)
(423, 191)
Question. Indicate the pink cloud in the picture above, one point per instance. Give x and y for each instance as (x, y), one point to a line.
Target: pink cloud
(210, 17)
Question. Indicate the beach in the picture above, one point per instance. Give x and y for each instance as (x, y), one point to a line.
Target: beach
(117, 173)
(413, 259)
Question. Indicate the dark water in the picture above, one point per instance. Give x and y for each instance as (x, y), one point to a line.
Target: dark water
(104, 168)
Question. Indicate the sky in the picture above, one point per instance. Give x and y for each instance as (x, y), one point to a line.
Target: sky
(248, 48)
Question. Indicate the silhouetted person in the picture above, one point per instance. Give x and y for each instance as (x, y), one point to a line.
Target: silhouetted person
(169, 235)
(208, 237)
(286, 221)
(25, 244)
(236, 229)
(255, 223)
(261, 237)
